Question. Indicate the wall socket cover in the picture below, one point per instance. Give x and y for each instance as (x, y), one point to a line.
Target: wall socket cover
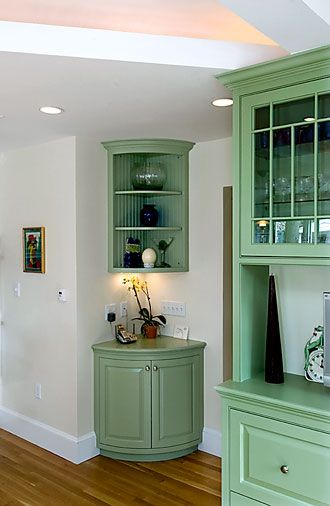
(109, 308)
(181, 331)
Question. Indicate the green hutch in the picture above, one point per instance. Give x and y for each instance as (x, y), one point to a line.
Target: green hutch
(276, 438)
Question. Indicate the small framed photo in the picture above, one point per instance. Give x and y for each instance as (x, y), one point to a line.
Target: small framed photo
(34, 249)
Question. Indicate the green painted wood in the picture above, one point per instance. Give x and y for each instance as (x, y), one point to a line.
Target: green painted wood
(296, 395)
(149, 349)
(260, 447)
(170, 146)
(145, 270)
(150, 229)
(148, 397)
(293, 418)
(251, 321)
(125, 203)
(150, 457)
(248, 247)
(177, 401)
(125, 410)
(302, 67)
(147, 192)
(241, 500)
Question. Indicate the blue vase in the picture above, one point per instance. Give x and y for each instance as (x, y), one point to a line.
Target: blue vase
(148, 215)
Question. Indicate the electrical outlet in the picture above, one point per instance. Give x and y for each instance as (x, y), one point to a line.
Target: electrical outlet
(123, 308)
(172, 308)
(109, 308)
(37, 390)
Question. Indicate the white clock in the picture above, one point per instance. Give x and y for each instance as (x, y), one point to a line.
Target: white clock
(315, 367)
(314, 356)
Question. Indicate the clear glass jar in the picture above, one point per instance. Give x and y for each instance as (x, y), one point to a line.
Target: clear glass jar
(148, 176)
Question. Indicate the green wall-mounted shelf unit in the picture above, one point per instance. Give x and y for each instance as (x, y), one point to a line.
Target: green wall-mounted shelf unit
(125, 157)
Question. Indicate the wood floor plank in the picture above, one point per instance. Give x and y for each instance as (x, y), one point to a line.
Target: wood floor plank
(31, 476)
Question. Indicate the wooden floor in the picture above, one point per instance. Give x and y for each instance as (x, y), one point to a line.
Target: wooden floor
(32, 476)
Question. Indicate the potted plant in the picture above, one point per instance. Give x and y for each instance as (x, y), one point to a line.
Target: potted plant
(151, 322)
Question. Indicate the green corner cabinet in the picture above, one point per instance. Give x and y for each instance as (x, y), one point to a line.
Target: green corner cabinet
(276, 438)
(148, 172)
(148, 398)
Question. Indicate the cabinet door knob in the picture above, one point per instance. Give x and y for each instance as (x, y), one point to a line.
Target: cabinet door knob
(155, 368)
(147, 367)
(284, 469)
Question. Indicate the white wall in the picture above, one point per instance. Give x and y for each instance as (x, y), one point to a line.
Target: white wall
(95, 286)
(62, 186)
(300, 306)
(39, 334)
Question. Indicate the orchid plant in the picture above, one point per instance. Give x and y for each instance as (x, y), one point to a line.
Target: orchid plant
(138, 287)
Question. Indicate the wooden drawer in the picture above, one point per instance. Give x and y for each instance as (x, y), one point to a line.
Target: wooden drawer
(241, 500)
(261, 446)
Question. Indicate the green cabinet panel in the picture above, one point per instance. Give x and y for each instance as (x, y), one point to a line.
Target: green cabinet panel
(241, 500)
(281, 208)
(147, 158)
(285, 208)
(125, 415)
(148, 398)
(176, 388)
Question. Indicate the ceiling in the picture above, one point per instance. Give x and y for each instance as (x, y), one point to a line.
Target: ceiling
(137, 68)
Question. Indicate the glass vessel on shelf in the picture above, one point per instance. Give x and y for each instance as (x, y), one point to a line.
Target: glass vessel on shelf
(148, 176)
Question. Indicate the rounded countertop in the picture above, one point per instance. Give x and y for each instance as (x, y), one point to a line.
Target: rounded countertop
(158, 345)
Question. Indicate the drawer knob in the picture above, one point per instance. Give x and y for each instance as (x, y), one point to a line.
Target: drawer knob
(155, 368)
(284, 469)
(147, 367)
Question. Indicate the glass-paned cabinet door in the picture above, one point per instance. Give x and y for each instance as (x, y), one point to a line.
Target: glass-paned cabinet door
(285, 172)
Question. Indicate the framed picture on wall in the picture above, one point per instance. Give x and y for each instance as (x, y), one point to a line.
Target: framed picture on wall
(34, 249)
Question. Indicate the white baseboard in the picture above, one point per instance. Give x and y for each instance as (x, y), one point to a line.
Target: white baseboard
(75, 449)
(71, 448)
(211, 442)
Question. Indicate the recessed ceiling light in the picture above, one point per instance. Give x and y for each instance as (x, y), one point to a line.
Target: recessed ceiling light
(222, 102)
(49, 109)
(309, 118)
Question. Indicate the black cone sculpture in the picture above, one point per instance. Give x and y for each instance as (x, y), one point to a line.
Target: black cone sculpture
(273, 360)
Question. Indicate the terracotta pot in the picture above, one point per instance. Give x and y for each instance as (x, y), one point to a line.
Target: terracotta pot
(150, 331)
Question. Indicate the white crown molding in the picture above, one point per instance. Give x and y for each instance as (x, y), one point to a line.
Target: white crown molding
(71, 448)
(131, 47)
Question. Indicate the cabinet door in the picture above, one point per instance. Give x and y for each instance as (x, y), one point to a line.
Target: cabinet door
(285, 175)
(125, 403)
(176, 401)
